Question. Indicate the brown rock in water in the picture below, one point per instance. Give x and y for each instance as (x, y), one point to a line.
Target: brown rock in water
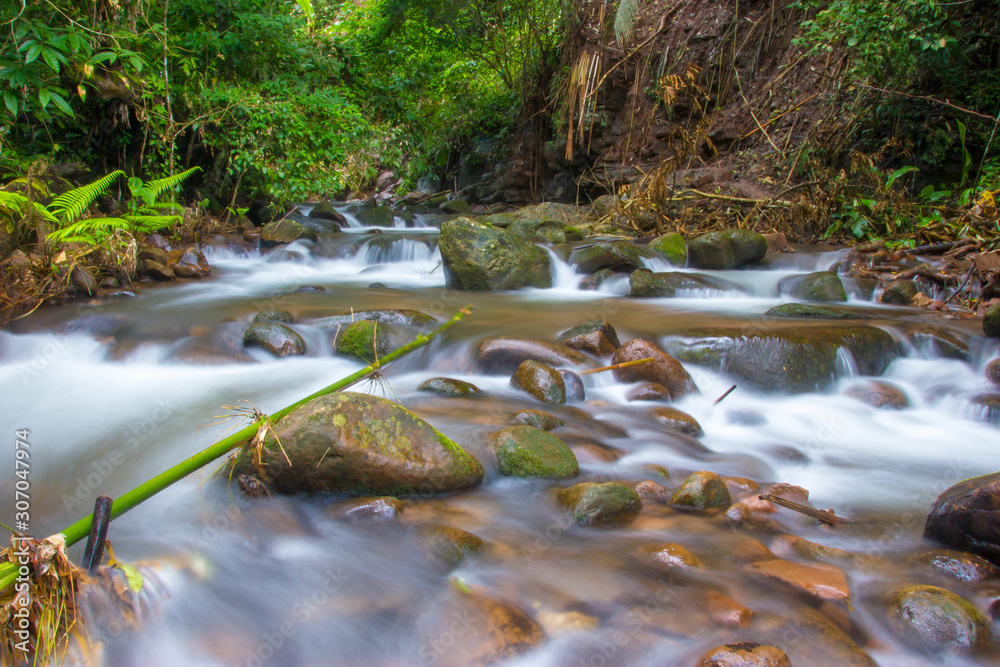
(938, 618)
(822, 581)
(649, 391)
(597, 337)
(726, 611)
(702, 490)
(574, 386)
(671, 556)
(449, 545)
(878, 394)
(745, 654)
(368, 509)
(153, 269)
(663, 369)
(189, 263)
(899, 292)
(476, 630)
(277, 339)
(677, 420)
(541, 381)
(363, 445)
(961, 566)
(753, 551)
(777, 243)
(449, 387)
(537, 418)
(993, 371)
(650, 489)
(83, 280)
(967, 517)
(503, 354)
(600, 503)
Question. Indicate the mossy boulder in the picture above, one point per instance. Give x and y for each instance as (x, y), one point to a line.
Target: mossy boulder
(597, 337)
(644, 283)
(899, 292)
(360, 445)
(991, 321)
(459, 206)
(616, 256)
(284, 231)
(376, 216)
(539, 231)
(600, 503)
(672, 247)
(525, 451)
(818, 286)
(728, 249)
(701, 491)
(812, 311)
(481, 257)
(541, 381)
(324, 210)
(277, 339)
(449, 387)
(967, 517)
(785, 359)
(363, 340)
(938, 618)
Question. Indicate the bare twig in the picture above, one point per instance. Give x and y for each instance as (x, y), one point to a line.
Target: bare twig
(826, 516)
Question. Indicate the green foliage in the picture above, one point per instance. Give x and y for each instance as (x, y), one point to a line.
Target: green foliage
(70, 205)
(625, 20)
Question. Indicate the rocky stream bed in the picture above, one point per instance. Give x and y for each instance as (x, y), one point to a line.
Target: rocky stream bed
(490, 499)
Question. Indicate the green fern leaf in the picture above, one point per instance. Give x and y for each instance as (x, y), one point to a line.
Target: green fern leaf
(70, 205)
(90, 230)
(161, 185)
(625, 20)
(146, 223)
(13, 201)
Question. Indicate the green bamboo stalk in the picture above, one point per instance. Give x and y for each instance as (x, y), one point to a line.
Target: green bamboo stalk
(143, 492)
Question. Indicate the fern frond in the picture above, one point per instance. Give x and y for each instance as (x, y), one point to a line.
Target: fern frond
(147, 223)
(14, 201)
(70, 205)
(157, 207)
(161, 185)
(90, 230)
(625, 20)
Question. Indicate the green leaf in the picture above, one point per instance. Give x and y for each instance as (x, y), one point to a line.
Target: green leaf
(49, 56)
(33, 52)
(70, 205)
(136, 63)
(43, 97)
(62, 103)
(8, 574)
(10, 101)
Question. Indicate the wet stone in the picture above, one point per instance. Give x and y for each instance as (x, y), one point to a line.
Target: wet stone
(541, 381)
(537, 418)
(648, 391)
(959, 565)
(449, 387)
(574, 386)
(616, 256)
(878, 394)
(672, 247)
(993, 371)
(728, 249)
(369, 509)
(277, 339)
(938, 618)
(820, 580)
(284, 231)
(525, 451)
(363, 340)
(480, 257)
(663, 369)
(745, 654)
(189, 262)
(275, 316)
(592, 282)
(726, 611)
(671, 556)
(812, 311)
(991, 321)
(449, 545)
(501, 355)
(597, 337)
(643, 283)
(899, 292)
(967, 517)
(650, 489)
(677, 420)
(702, 490)
(592, 503)
(819, 286)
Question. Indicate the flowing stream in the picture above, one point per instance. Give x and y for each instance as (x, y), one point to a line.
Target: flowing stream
(116, 391)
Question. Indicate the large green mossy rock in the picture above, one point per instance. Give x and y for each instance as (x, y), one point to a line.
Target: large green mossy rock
(728, 249)
(285, 231)
(647, 284)
(617, 256)
(363, 340)
(784, 359)
(525, 451)
(672, 247)
(702, 490)
(818, 286)
(482, 257)
(360, 445)
(541, 381)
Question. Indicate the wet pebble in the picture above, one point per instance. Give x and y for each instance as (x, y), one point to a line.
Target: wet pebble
(745, 654)
(938, 618)
(702, 490)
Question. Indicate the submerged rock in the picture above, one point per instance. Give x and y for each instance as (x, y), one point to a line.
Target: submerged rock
(449, 387)
(364, 445)
(525, 451)
(814, 312)
(600, 503)
(616, 256)
(274, 316)
(985, 407)
(967, 517)
(663, 369)
(818, 286)
(677, 420)
(500, 355)
(537, 418)
(938, 618)
(702, 490)
(449, 545)
(277, 339)
(745, 654)
(728, 249)
(671, 556)
(595, 280)
(644, 283)
(672, 247)
(959, 565)
(383, 508)
(541, 381)
(574, 386)
(820, 580)
(879, 394)
(597, 337)
(481, 257)
(649, 391)
(189, 262)
(783, 359)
